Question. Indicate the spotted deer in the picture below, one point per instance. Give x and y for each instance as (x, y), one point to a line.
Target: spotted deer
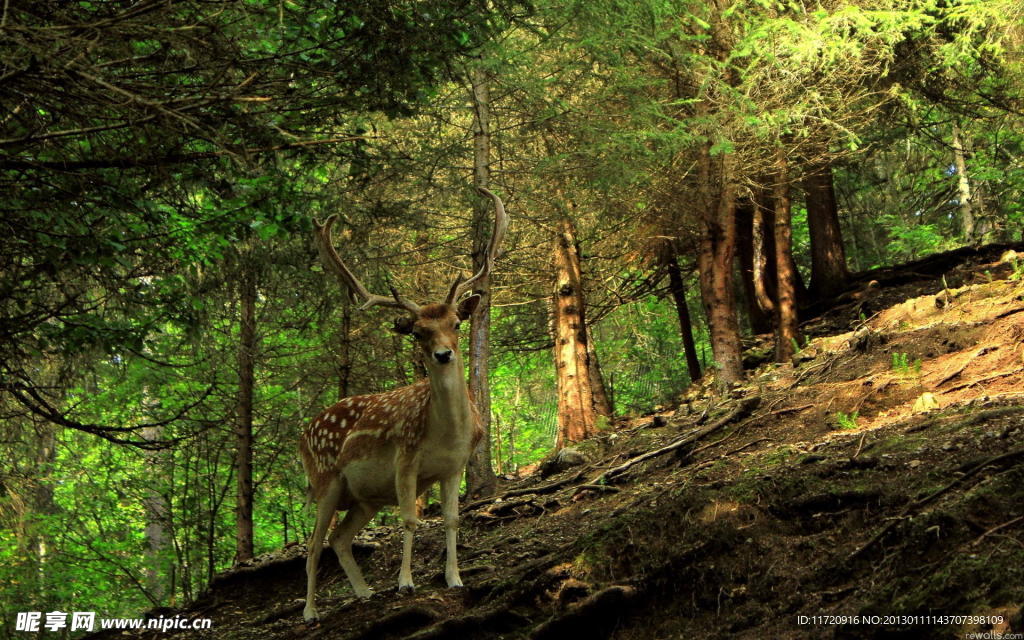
(370, 451)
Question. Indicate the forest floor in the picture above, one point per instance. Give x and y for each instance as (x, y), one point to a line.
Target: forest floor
(882, 475)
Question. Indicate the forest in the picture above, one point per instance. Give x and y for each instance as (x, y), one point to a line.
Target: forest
(696, 192)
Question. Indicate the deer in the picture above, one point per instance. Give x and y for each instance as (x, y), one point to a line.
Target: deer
(367, 452)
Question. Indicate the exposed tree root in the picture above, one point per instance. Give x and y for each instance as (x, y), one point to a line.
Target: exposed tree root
(592, 618)
(745, 408)
(551, 487)
(398, 623)
(915, 506)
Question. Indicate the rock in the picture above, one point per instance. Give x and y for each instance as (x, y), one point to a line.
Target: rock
(566, 458)
(926, 402)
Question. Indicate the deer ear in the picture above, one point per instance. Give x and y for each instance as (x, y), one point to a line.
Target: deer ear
(404, 325)
(468, 306)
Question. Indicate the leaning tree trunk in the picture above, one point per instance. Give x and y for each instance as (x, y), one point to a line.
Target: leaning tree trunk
(480, 478)
(577, 417)
(715, 256)
(677, 287)
(602, 401)
(746, 212)
(829, 273)
(244, 410)
(786, 322)
(765, 277)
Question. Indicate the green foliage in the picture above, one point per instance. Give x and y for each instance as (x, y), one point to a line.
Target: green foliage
(1018, 270)
(847, 421)
(902, 365)
(640, 349)
(524, 409)
(146, 160)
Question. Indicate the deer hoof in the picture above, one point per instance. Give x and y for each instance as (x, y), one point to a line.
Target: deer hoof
(310, 615)
(406, 589)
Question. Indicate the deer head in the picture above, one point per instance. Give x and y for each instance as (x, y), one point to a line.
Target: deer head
(433, 326)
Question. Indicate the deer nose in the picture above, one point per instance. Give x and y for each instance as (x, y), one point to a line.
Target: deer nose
(443, 356)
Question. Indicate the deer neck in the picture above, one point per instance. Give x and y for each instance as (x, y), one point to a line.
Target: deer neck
(450, 412)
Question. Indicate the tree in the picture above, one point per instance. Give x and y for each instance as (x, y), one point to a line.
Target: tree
(480, 478)
(677, 288)
(829, 274)
(143, 107)
(786, 322)
(577, 414)
(247, 345)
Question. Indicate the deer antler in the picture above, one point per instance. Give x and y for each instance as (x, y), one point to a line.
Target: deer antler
(460, 287)
(332, 260)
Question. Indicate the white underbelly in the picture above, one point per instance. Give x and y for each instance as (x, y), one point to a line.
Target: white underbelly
(371, 480)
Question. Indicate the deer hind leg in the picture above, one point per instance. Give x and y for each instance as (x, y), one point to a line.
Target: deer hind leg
(450, 509)
(341, 541)
(325, 508)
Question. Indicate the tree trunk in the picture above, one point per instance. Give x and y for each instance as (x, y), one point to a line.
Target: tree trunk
(602, 402)
(405, 356)
(786, 321)
(717, 248)
(244, 412)
(765, 275)
(677, 287)
(345, 350)
(760, 321)
(829, 274)
(963, 183)
(577, 417)
(480, 478)
(156, 509)
(42, 504)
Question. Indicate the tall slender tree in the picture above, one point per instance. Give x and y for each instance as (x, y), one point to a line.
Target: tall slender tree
(786, 320)
(480, 478)
(247, 344)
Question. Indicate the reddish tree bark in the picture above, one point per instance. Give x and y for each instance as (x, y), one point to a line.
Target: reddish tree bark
(716, 251)
(577, 417)
(786, 321)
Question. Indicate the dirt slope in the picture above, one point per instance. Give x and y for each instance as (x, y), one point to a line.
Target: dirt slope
(882, 477)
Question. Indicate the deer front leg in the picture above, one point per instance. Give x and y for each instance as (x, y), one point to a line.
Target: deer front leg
(450, 509)
(405, 485)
